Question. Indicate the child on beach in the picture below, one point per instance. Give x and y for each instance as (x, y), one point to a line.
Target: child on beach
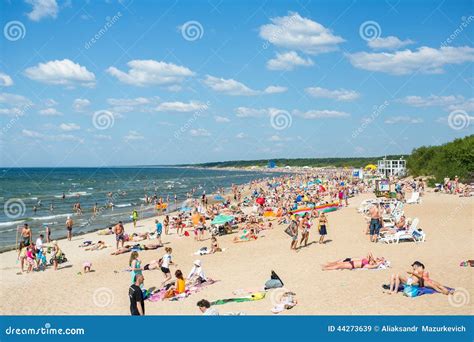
(159, 230)
(165, 265)
(86, 266)
(135, 265)
(215, 246)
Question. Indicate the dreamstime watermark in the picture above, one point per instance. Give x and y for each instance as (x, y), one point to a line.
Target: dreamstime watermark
(14, 208)
(192, 30)
(459, 298)
(102, 297)
(280, 31)
(111, 200)
(370, 30)
(14, 30)
(46, 330)
(103, 119)
(109, 22)
(377, 110)
(459, 119)
(18, 114)
(280, 119)
(465, 21)
(189, 123)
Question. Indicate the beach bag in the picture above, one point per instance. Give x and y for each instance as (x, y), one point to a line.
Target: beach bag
(273, 284)
(411, 291)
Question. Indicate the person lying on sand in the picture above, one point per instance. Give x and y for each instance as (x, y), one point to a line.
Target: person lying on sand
(247, 235)
(97, 246)
(368, 262)
(122, 250)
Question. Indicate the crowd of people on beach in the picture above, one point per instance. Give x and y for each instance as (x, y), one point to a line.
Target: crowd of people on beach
(300, 202)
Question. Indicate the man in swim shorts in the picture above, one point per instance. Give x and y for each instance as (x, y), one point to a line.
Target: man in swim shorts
(374, 226)
(119, 231)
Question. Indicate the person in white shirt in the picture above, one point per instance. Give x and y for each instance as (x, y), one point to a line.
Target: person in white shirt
(197, 276)
(39, 242)
(165, 263)
(206, 309)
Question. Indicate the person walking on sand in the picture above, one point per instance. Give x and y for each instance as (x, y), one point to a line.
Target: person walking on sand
(26, 235)
(322, 225)
(137, 302)
(165, 265)
(135, 265)
(119, 231)
(135, 218)
(166, 223)
(294, 234)
(159, 231)
(69, 224)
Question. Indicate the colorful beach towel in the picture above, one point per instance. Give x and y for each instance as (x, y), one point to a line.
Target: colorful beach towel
(253, 297)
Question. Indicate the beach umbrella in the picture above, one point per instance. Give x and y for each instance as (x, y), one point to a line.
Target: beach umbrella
(321, 188)
(299, 198)
(260, 200)
(221, 219)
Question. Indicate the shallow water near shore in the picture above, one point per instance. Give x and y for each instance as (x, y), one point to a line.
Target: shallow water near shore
(24, 188)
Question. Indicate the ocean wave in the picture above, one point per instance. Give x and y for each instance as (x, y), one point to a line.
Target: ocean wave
(50, 217)
(10, 223)
(123, 205)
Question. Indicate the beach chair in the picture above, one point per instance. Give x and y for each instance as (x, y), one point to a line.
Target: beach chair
(410, 234)
(415, 198)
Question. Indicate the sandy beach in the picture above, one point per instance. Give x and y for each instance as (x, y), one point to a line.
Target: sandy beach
(446, 219)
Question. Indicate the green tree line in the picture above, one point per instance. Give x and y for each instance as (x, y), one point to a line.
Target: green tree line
(452, 159)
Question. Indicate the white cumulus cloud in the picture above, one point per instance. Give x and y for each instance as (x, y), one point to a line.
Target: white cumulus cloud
(150, 72)
(42, 9)
(288, 61)
(181, 106)
(64, 72)
(339, 94)
(389, 43)
(320, 114)
(5, 80)
(80, 105)
(425, 60)
(297, 33)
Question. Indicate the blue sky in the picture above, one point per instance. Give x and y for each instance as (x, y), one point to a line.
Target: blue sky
(101, 83)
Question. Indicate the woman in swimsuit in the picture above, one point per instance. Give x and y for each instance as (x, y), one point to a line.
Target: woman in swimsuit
(135, 265)
(348, 264)
(215, 246)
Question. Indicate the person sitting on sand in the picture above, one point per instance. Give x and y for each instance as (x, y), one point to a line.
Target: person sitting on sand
(179, 286)
(86, 266)
(414, 279)
(349, 263)
(197, 276)
(214, 246)
(427, 281)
